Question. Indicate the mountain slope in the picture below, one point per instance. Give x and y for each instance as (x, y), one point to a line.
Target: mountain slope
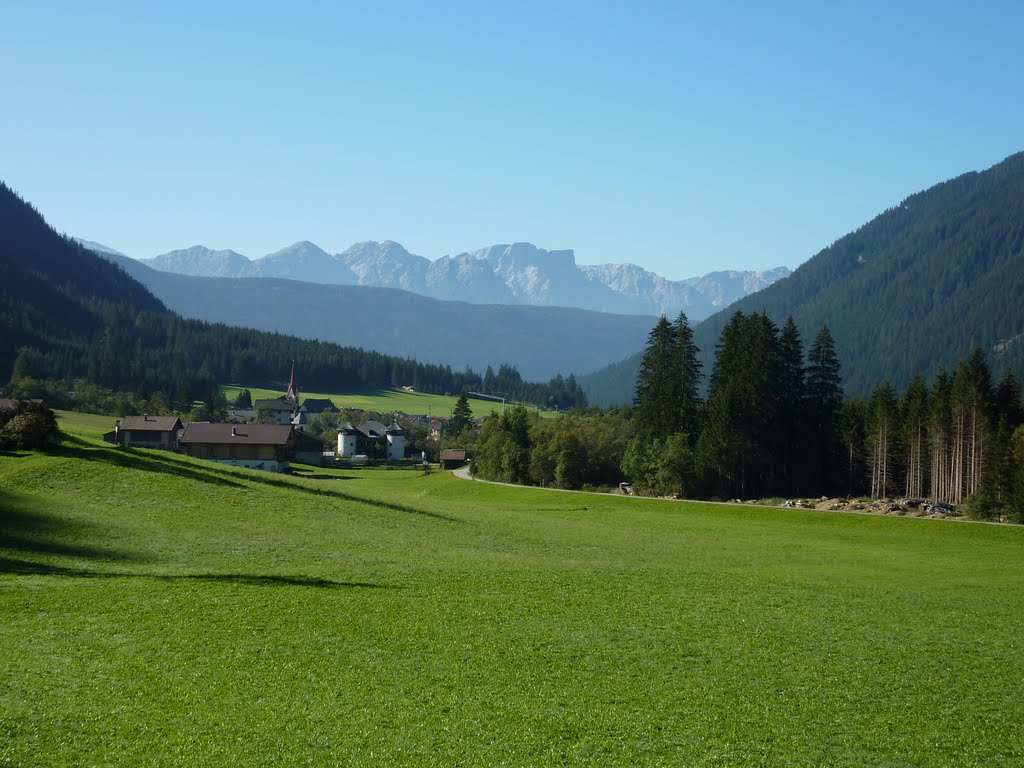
(699, 297)
(540, 341)
(78, 315)
(54, 292)
(915, 288)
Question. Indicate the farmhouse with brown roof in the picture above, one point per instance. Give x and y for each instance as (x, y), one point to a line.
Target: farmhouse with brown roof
(148, 432)
(255, 446)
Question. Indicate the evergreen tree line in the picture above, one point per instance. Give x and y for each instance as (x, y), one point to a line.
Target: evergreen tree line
(960, 441)
(775, 424)
(914, 289)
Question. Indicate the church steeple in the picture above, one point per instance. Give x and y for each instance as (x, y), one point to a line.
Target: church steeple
(293, 389)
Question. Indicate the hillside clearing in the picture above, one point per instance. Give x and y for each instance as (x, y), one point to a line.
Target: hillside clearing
(386, 401)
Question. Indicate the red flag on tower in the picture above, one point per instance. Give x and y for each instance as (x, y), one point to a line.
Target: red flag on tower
(293, 388)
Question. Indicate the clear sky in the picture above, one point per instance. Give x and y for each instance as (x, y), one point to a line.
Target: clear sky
(681, 136)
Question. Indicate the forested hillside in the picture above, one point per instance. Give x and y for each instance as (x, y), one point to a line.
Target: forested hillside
(77, 315)
(914, 289)
(542, 341)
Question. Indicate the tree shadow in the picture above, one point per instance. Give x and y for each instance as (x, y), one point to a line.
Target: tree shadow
(14, 454)
(129, 458)
(173, 464)
(277, 481)
(26, 526)
(29, 568)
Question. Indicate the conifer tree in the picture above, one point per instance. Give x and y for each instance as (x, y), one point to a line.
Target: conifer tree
(823, 404)
(739, 441)
(852, 432)
(914, 424)
(657, 385)
(462, 415)
(882, 429)
(686, 369)
(791, 408)
(971, 397)
(940, 428)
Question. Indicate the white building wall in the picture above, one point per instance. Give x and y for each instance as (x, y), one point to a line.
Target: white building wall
(346, 445)
(396, 447)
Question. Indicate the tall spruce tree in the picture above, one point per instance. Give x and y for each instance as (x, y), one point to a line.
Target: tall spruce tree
(657, 384)
(971, 403)
(882, 432)
(823, 404)
(740, 440)
(853, 435)
(913, 411)
(686, 369)
(791, 409)
(940, 431)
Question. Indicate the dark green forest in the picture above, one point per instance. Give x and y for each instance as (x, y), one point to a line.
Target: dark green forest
(775, 424)
(910, 292)
(72, 315)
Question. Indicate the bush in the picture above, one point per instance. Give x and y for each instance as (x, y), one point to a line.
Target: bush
(982, 506)
(30, 426)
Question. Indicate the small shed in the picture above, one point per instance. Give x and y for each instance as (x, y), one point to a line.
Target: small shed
(453, 458)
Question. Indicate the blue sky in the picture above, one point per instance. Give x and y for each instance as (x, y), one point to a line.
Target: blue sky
(684, 137)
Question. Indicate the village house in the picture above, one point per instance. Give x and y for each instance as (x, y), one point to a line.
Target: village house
(371, 438)
(147, 431)
(314, 406)
(255, 446)
(437, 427)
(279, 410)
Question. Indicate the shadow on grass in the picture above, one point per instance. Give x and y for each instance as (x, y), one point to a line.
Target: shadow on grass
(27, 526)
(173, 464)
(150, 461)
(275, 481)
(28, 568)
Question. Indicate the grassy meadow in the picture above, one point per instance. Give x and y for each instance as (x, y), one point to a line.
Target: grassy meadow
(384, 400)
(162, 611)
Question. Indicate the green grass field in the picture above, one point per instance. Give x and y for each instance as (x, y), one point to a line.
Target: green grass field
(163, 611)
(385, 401)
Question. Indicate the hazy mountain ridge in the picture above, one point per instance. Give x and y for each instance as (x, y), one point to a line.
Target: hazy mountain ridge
(516, 273)
(699, 296)
(540, 342)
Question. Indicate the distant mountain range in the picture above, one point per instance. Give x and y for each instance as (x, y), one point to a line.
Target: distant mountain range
(540, 342)
(914, 289)
(68, 313)
(516, 274)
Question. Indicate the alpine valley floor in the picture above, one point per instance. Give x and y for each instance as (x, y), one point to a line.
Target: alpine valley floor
(159, 611)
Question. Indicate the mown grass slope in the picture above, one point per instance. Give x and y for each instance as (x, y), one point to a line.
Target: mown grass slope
(386, 401)
(163, 611)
